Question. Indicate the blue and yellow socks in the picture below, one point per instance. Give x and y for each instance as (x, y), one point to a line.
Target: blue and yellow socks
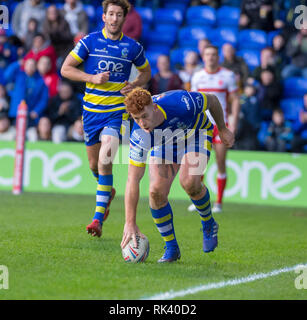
(163, 218)
(203, 206)
(103, 193)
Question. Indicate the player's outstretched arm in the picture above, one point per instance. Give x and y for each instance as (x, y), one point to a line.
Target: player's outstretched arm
(216, 111)
(135, 174)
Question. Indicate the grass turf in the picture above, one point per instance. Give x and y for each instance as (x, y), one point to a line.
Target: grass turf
(50, 256)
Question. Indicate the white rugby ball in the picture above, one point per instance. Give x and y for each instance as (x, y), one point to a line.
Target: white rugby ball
(139, 254)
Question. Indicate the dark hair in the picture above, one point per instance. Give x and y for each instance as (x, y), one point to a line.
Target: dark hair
(39, 34)
(124, 4)
(212, 47)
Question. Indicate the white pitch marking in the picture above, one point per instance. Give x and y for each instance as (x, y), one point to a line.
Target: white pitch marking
(218, 285)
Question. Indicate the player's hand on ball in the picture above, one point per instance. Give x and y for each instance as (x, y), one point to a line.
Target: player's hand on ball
(227, 137)
(130, 232)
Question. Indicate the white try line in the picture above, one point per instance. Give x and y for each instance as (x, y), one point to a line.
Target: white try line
(218, 285)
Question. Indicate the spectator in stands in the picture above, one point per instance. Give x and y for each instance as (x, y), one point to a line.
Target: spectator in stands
(133, 24)
(267, 59)
(212, 3)
(29, 86)
(24, 11)
(269, 93)
(191, 61)
(300, 126)
(279, 46)
(7, 132)
(32, 31)
(75, 132)
(249, 120)
(202, 44)
(50, 77)
(284, 15)
(257, 15)
(42, 47)
(235, 64)
(76, 17)
(5, 51)
(57, 30)
(165, 79)
(297, 51)
(279, 133)
(62, 111)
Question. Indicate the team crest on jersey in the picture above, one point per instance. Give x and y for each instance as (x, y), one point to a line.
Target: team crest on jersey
(125, 53)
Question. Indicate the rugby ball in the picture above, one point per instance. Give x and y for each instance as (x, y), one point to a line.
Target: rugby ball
(139, 254)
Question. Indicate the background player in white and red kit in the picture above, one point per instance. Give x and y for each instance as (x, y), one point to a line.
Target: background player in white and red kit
(222, 83)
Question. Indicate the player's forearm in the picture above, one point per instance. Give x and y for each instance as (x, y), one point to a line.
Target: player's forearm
(132, 193)
(131, 201)
(142, 78)
(74, 74)
(216, 111)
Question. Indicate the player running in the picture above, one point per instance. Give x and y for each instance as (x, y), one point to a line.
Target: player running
(108, 56)
(222, 83)
(175, 127)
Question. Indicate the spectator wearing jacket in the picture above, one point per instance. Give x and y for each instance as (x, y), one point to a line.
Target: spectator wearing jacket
(165, 79)
(300, 126)
(297, 51)
(24, 11)
(279, 133)
(42, 47)
(249, 120)
(62, 111)
(57, 30)
(30, 87)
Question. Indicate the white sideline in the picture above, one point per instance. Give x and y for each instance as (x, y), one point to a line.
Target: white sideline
(217, 285)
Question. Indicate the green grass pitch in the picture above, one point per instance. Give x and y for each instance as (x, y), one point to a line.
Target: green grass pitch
(49, 255)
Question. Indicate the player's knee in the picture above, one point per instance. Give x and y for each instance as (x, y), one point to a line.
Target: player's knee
(158, 196)
(191, 185)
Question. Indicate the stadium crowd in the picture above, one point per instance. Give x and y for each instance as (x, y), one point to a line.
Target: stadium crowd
(262, 41)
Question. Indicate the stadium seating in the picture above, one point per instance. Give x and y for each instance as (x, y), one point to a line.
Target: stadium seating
(168, 16)
(291, 107)
(252, 39)
(201, 16)
(189, 36)
(262, 132)
(163, 38)
(152, 56)
(228, 16)
(251, 57)
(177, 56)
(271, 35)
(226, 34)
(146, 14)
(294, 87)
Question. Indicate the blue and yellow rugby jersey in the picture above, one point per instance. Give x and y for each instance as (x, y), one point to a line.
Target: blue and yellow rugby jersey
(182, 110)
(101, 54)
